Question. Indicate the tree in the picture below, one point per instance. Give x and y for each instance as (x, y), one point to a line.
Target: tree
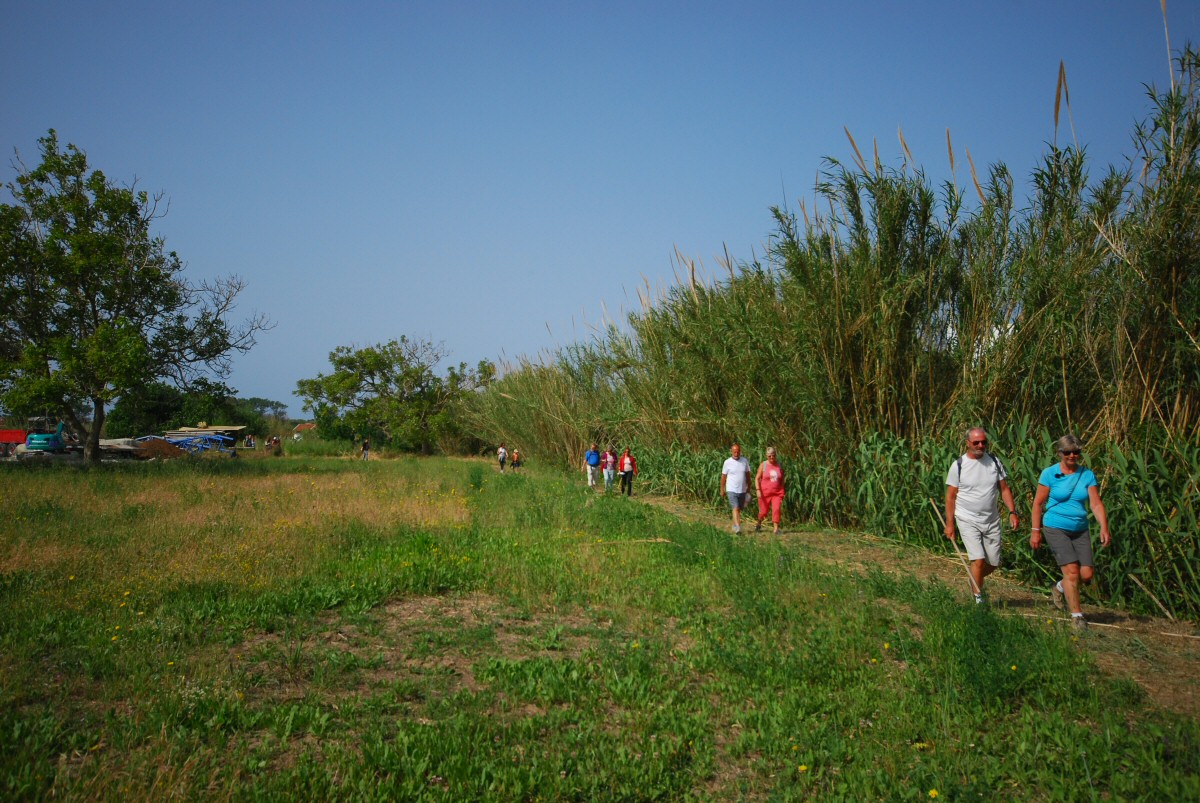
(391, 393)
(147, 410)
(267, 408)
(94, 306)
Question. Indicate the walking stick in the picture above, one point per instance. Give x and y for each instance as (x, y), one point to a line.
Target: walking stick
(958, 551)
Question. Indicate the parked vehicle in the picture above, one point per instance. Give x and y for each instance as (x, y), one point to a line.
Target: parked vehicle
(46, 442)
(10, 439)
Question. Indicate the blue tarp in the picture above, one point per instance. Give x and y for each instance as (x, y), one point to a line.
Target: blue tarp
(195, 443)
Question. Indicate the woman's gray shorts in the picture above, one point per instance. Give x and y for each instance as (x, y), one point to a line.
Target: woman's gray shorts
(1069, 547)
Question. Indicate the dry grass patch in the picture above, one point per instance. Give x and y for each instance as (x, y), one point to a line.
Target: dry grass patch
(250, 531)
(300, 500)
(40, 556)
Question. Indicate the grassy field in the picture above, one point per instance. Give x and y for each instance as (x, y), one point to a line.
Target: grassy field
(316, 627)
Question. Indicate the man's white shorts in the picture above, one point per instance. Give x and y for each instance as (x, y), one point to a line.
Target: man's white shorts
(982, 539)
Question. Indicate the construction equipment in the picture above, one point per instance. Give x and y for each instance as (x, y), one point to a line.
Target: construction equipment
(46, 441)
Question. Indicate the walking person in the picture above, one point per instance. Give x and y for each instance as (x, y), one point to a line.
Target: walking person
(502, 456)
(735, 484)
(770, 486)
(627, 466)
(971, 488)
(366, 449)
(591, 465)
(608, 462)
(1060, 518)
(516, 459)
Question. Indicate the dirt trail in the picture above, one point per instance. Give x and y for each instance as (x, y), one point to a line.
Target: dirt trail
(1161, 656)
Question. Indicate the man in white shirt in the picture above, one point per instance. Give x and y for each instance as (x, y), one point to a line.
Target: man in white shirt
(971, 486)
(735, 480)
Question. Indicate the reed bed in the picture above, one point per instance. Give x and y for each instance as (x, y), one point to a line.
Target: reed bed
(873, 332)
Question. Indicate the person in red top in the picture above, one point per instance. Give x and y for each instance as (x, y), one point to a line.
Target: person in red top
(627, 466)
(769, 483)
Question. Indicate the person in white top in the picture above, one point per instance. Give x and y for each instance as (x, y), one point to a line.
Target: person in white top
(735, 480)
(971, 486)
(502, 456)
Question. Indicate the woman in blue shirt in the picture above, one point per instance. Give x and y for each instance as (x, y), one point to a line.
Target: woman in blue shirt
(1060, 517)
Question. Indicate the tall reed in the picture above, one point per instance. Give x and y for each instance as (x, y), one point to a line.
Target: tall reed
(872, 333)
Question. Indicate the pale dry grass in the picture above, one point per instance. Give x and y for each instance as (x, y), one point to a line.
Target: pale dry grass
(192, 529)
(23, 556)
(298, 500)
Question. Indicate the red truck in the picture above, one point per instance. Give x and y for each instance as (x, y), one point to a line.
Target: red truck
(10, 439)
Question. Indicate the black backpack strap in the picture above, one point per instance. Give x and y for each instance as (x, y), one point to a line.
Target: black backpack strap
(999, 467)
(1078, 474)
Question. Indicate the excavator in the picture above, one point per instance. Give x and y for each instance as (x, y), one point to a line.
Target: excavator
(46, 442)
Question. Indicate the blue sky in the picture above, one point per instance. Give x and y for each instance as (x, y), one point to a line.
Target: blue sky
(494, 175)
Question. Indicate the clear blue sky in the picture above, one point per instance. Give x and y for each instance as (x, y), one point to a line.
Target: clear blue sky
(489, 174)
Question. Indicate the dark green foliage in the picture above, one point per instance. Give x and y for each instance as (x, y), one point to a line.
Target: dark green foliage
(144, 411)
(157, 407)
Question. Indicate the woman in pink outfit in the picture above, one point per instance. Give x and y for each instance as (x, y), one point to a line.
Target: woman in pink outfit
(769, 484)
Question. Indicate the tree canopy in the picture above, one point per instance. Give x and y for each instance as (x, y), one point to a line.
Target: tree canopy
(391, 393)
(95, 306)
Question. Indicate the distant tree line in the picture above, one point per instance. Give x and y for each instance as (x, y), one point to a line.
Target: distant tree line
(158, 407)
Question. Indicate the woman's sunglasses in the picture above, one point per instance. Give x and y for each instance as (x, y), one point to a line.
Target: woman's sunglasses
(1070, 452)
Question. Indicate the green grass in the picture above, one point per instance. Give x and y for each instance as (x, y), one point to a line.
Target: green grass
(428, 629)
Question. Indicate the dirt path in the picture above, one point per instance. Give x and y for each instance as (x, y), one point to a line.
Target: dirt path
(1161, 656)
